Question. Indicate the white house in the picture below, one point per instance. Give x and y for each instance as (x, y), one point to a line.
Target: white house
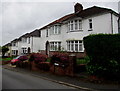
(14, 47)
(67, 33)
(28, 42)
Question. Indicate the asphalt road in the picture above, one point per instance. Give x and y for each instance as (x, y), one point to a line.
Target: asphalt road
(16, 80)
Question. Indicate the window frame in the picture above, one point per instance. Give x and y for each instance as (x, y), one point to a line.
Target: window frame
(90, 24)
(71, 46)
(55, 46)
(75, 25)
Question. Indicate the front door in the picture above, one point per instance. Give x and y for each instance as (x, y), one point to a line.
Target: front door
(47, 48)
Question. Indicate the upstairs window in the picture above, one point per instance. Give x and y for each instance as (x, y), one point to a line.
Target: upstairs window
(56, 29)
(24, 40)
(75, 25)
(47, 33)
(14, 44)
(90, 25)
(28, 40)
(119, 25)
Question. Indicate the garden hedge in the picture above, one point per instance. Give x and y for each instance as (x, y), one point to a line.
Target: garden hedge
(104, 53)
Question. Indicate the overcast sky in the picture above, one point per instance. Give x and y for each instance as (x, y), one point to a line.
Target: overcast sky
(18, 18)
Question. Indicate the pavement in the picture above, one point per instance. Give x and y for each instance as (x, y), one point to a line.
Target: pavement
(66, 80)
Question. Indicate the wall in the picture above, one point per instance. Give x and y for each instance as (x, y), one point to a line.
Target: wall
(101, 24)
(35, 47)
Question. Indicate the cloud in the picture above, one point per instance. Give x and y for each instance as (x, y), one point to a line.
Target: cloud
(21, 17)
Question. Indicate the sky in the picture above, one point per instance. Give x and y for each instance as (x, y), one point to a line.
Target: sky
(18, 17)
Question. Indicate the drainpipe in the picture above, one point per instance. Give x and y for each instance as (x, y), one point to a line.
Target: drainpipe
(111, 23)
(32, 44)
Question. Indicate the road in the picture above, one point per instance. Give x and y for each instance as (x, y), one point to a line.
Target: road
(17, 80)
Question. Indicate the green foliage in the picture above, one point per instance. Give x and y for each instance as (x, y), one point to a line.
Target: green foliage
(83, 61)
(4, 50)
(104, 53)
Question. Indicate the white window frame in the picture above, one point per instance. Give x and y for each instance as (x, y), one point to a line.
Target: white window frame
(90, 24)
(28, 40)
(55, 46)
(71, 46)
(24, 40)
(75, 24)
(47, 33)
(24, 50)
(55, 30)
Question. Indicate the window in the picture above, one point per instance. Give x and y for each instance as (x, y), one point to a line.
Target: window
(71, 25)
(75, 25)
(14, 52)
(75, 46)
(90, 24)
(47, 33)
(55, 46)
(80, 24)
(14, 44)
(28, 40)
(55, 30)
(24, 40)
(24, 50)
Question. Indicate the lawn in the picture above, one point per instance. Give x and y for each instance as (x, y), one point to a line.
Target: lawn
(6, 59)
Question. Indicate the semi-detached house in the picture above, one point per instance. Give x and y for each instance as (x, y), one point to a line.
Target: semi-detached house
(26, 43)
(67, 33)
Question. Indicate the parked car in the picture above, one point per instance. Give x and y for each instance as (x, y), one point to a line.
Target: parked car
(18, 58)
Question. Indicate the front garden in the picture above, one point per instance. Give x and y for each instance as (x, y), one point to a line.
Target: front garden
(102, 62)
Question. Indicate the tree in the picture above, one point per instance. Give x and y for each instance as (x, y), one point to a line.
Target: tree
(4, 50)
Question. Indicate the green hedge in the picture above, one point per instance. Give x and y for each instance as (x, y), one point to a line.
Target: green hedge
(104, 53)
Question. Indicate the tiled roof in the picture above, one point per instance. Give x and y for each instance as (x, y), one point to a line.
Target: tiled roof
(94, 10)
(35, 33)
(15, 40)
(59, 20)
(83, 13)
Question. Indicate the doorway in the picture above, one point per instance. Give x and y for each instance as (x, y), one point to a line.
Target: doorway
(47, 48)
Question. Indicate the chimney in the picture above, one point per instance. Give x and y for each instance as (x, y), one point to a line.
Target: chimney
(78, 7)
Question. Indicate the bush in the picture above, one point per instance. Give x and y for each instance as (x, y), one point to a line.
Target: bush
(38, 57)
(104, 53)
(23, 58)
(84, 60)
(61, 58)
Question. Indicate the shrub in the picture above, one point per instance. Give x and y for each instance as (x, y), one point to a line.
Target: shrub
(85, 60)
(23, 58)
(61, 58)
(38, 57)
(104, 53)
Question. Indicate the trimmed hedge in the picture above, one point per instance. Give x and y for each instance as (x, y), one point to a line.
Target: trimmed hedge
(104, 53)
